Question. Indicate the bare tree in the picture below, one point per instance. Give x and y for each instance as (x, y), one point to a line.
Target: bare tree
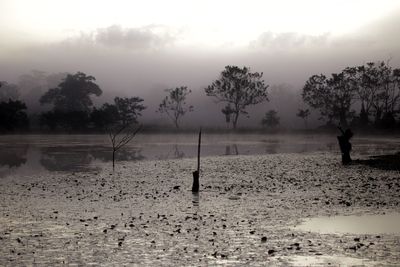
(121, 135)
(174, 104)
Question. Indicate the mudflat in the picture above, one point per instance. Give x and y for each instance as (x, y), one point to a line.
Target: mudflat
(246, 213)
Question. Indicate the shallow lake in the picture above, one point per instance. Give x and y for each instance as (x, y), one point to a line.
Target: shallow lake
(145, 214)
(27, 154)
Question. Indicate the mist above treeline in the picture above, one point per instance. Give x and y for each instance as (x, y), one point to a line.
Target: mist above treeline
(364, 97)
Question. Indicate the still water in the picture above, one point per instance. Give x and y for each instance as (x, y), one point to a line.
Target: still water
(353, 224)
(28, 154)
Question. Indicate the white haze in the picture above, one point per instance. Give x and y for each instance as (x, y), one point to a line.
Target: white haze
(144, 60)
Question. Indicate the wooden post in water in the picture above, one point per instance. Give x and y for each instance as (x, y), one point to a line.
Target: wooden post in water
(196, 174)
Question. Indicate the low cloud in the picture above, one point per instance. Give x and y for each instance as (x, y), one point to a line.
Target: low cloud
(374, 40)
(289, 40)
(151, 37)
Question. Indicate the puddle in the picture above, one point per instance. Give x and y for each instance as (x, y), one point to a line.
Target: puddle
(364, 224)
(328, 261)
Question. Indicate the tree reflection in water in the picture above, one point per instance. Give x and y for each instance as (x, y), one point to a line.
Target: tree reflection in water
(13, 157)
(125, 154)
(272, 148)
(231, 150)
(178, 154)
(60, 158)
(83, 158)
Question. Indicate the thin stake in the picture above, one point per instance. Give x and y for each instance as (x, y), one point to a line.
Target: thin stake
(196, 174)
(198, 153)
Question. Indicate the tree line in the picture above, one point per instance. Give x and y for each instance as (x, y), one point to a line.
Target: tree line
(361, 96)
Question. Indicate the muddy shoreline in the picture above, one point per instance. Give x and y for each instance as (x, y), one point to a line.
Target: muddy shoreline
(145, 214)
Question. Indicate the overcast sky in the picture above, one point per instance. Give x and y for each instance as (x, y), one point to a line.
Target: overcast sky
(142, 47)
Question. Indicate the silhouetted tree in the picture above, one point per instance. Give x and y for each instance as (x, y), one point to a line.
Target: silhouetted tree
(271, 119)
(387, 95)
(303, 113)
(8, 91)
(13, 115)
(69, 120)
(379, 93)
(71, 102)
(174, 104)
(51, 119)
(363, 118)
(334, 96)
(124, 111)
(239, 87)
(129, 109)
(104, 116)
(73, 93)
(367, 89)
(75, 120)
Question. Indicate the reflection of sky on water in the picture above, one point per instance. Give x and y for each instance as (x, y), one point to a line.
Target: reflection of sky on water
(24, 155)
(353, 224)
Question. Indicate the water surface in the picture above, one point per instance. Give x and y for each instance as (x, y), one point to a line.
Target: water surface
(28, 154)
(354, 224)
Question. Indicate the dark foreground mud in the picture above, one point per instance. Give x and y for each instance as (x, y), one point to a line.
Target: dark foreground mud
(145, 214)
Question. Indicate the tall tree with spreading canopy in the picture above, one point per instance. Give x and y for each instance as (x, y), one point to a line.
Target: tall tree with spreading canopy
(334, 96)
(174, 104)
(368, 78)
(71, 102)
(240, 88)
(73, 93)
(379, 92)
(123, 112)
